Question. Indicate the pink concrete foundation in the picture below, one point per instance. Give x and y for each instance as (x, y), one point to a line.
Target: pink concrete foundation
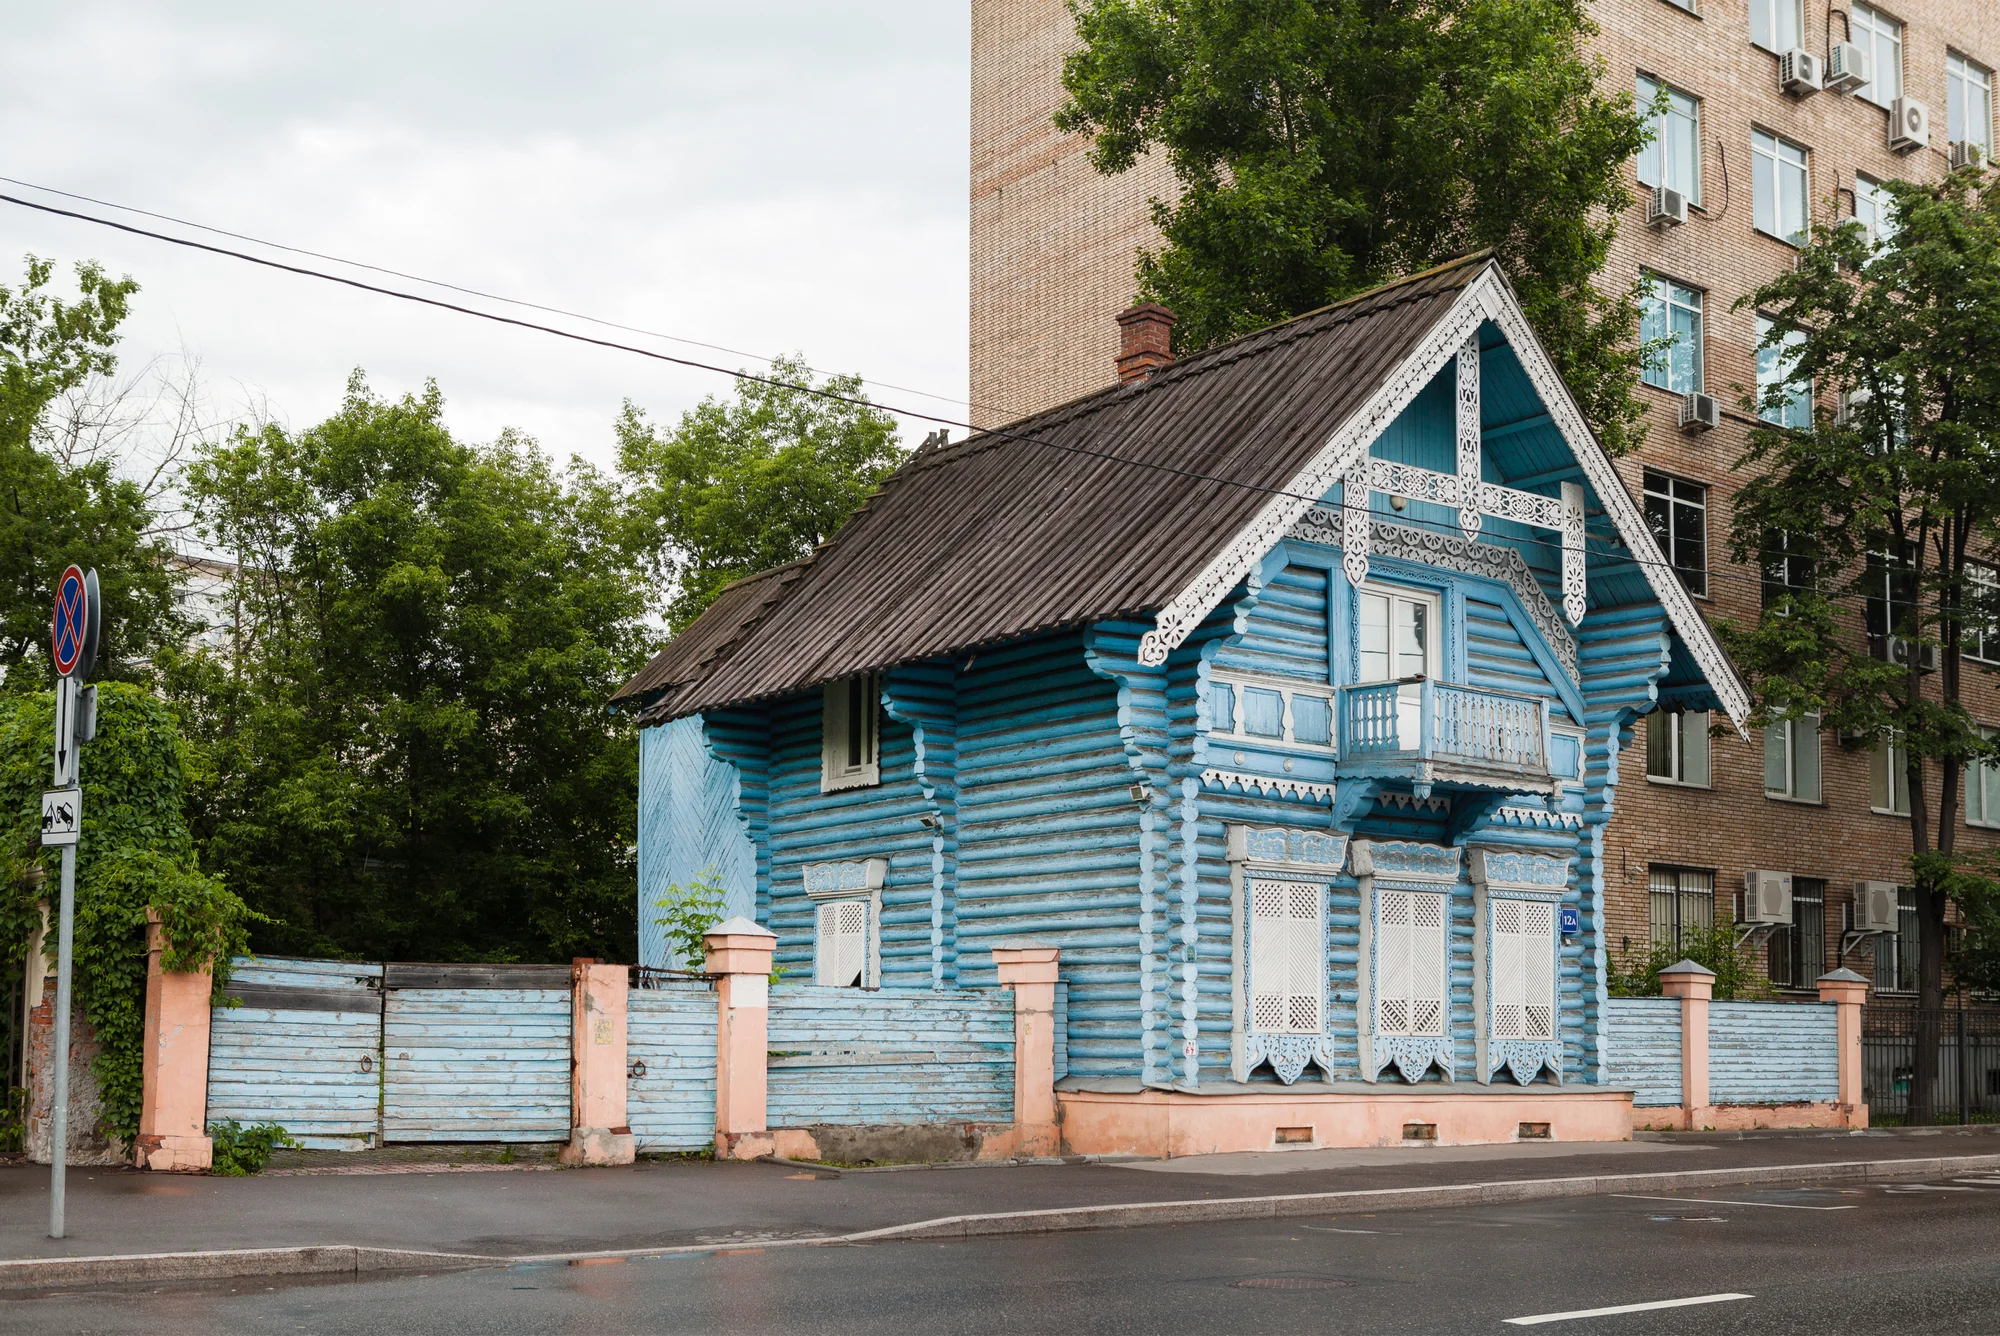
(173, 1105)
(739, 954)
(598, 1132)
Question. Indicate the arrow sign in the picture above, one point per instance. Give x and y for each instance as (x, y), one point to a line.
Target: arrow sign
(62, 815)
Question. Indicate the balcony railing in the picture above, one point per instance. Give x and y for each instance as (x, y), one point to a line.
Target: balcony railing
(1422, 719)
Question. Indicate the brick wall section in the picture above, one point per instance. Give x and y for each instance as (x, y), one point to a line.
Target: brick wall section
(1052, 258)
(88, 1142)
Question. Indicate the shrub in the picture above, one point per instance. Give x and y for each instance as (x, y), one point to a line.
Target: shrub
(243, 1150)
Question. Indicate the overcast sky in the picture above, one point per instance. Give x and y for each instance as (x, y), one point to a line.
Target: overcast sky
(769, 175)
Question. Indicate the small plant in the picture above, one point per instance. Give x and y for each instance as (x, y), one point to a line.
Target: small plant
(691, 911)
(241, 1150)
(1637, 972)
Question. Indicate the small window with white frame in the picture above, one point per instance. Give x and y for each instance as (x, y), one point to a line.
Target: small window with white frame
(1981, 616)
(851, 734)
(1774, 25)
(1968, 101)
(1792, 759)
(1982, 787)
(1779, 200)
(1670, 334)
(1410, 969)
(847, 921)
(1287, 956)
(1784, 398)
(1672, 155)
(1896, 952)
(1875, 210)
(1881, 38)
(1677, 747)
(1677, 513)
(1889, 777)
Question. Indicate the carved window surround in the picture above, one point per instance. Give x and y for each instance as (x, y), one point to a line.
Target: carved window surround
(1526, 877)
(860, 879)
(1428, 870)
(1281, 854)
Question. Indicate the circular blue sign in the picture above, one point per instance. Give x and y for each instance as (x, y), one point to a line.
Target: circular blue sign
(70, 632)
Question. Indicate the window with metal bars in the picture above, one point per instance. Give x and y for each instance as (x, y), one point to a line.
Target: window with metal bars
(1798, 953)
(1287, 983)
(1896, 952)
(1682, 902)
(1410, 972)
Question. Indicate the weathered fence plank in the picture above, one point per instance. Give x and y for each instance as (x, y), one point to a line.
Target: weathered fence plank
(847, 1057)
(475, 1064)
(1772, 1053)
(302, 1048)
(670, 1052)
(1643, 1036)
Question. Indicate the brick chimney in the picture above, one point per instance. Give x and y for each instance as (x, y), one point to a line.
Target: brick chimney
(1145, 341)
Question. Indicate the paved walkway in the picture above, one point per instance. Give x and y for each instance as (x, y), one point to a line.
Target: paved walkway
(666, 1204)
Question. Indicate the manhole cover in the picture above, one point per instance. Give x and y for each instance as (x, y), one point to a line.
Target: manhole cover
(1288, 1283)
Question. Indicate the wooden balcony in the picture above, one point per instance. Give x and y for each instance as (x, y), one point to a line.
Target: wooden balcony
(1425, 730)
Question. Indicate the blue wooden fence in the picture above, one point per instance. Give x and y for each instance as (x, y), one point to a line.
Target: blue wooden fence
(670, 1052)
(1772, 1053)
(1643, 1036)
(477, 1063)
(300, 1047)
(843, 1056)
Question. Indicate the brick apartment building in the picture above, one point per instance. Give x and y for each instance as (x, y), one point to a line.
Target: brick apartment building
(1052, 254)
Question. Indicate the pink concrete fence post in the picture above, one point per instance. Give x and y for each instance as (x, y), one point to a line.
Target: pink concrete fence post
(1847, 991)
(1693, 985)
(598, 1132)
(739, 955)
(1031, 972)
(173, 1100)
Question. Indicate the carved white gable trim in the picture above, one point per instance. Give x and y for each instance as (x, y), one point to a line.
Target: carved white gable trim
(1486, 297)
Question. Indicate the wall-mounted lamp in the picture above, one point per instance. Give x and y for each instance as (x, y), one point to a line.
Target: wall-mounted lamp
(1399, 503)
(930, 821)
(1142, 793)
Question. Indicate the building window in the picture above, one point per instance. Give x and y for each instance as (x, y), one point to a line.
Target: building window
(1397, 633)
(1798, 954)
(1778, 198)
(1787, 566)
(1980, 615)
(1875, 210)
(1670, 331)
(1524, 968)
(1791, 759)
(840, 946)
(1982, 788)
(1889, 778)
(1677, 511)
(850, 735)
(1672, 157)
(1890, 584)
(1677, 747)
(1774, 24)
(1782, 399)
(1287, 956)
(1896, 952)
(1683, 903)
(1968, 102)
(1881, 38)
(1410, 975)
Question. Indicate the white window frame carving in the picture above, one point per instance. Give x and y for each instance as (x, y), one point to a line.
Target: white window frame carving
(1283, 855)
(835, 773)
(1510, 882)
(1403, 868)
(829, 885)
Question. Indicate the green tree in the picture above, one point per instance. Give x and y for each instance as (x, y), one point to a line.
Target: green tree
(745, 484)
(55, 508)
(1871, 521)
(408, 755)
(1325, 146)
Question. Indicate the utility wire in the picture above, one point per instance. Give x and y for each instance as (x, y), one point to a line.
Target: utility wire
(1628, 558)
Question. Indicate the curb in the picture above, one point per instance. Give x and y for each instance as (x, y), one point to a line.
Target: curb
(350, 1260)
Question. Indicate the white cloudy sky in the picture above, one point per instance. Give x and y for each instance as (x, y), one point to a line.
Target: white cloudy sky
(769, 175)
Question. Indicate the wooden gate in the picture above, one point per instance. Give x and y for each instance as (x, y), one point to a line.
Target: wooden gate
(670, 1055)
(476, 1053)
(302, 1048)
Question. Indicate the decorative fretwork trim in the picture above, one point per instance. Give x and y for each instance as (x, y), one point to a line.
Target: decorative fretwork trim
(831, 881)
(1413, 1055)
(1315, 849)
(1537, 818)
(1469, 430)
(1410, 802)
(1288, 1054)
(1268, 785)
(1511, 871)
(1525, 1058)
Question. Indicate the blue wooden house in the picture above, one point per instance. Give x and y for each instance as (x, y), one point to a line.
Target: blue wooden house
(1283, 689)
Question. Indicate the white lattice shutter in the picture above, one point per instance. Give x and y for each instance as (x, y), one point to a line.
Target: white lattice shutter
(842, 943)
(1410, 962)
(1524, 969)
(1287, 957)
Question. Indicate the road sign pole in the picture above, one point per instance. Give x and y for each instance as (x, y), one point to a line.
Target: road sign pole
(73, 638)
(59, 1125)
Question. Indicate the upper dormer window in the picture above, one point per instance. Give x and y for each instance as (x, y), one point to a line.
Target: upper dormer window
(1398, 634)
(851, 734)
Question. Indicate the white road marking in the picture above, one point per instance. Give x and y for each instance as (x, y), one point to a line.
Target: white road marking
(1982, 1182)
(1329, 1229)
(1540, 1318)
(1718, 1201)
(1926, 1187)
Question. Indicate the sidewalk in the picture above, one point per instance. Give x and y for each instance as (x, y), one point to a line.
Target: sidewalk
(505, 1215)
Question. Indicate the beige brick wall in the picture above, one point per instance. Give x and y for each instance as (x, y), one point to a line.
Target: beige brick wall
(1052, 250)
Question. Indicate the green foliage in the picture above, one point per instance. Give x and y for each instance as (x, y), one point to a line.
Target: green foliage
(243, 1150)
(746, 484)
(136, 854)
(409, 755)
(54, 509)
(691, 911)
(1636, 972)
(1906, 334)
(1322, 147)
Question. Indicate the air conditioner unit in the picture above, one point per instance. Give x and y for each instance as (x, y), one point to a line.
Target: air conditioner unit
(1666, 208)
(1700, 412)
(1896, 650)
(1877, 907)
(1909, 124)
(1799, 73)
(1767, 897)
(1965, 153)
(1846, 68)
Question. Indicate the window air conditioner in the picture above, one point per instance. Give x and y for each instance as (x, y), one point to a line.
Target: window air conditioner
(1846, 68)
(1965, 153)
(1667, 208)
(1700, 412)
(1877, 907)
(1909, 124)
(1799, 73)
(1767, 897)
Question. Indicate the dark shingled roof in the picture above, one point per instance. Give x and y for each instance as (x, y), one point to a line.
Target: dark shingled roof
(999, 536)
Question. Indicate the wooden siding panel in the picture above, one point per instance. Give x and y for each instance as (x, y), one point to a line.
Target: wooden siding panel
(689, 826)
(671, 1029)
(847, 1057)
(1643, 1036)
(476, 1064)
(314, 1071)
(1772, 1053)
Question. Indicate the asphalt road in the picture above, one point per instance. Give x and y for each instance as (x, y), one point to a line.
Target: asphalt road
(1876, 1259)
